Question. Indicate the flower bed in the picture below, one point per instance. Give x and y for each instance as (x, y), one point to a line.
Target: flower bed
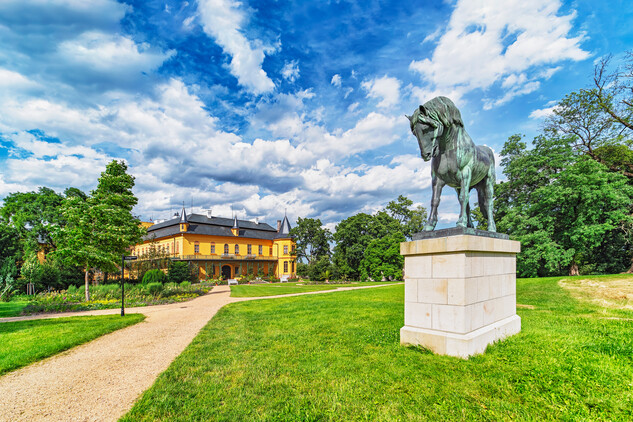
(108, 296)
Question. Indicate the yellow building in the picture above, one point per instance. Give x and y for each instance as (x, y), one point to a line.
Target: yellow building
(223, 247)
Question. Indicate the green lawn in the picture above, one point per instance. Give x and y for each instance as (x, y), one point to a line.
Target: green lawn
(25, 342)
(260, 290)
(337, 357)
(11, 309)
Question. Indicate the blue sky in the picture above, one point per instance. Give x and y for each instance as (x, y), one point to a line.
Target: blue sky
(266, 106)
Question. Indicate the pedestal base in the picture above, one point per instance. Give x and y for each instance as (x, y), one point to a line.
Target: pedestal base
(460, 345)
(460, 291)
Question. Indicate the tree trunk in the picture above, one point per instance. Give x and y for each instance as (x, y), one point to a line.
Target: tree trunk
(573, 270)
(630, 271)
(87, 279)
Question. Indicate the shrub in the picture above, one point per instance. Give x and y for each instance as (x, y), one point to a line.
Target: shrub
(155, 289)
(72, 289)
(154, 276)
(185, 284)
(178, 272)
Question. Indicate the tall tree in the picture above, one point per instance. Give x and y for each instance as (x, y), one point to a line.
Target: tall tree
(564, 208)
(411, 220)
(313, 240)
(613, 90)
(592, 131)
(100, 228)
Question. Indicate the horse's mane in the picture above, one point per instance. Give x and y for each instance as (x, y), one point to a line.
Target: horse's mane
(442, 110)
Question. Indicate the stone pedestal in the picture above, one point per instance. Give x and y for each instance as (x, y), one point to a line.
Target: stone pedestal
(460, 290)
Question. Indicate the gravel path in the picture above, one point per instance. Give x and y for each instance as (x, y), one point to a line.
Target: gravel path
(101, 380)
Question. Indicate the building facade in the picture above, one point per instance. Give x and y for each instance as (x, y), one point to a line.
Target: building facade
(223, 247)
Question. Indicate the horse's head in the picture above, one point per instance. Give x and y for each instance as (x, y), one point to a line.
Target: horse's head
(427, 130)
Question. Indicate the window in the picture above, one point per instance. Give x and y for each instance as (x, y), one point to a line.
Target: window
(226, 248)
(249, 249)
(167, 248)
(292, 266)
(270, 251)
(285, 266)
(237, 249)
(261, 250)
(212, 247)
(285, 249)
(196, 247)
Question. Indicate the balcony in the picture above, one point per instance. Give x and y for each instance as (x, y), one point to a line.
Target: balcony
(224, 257)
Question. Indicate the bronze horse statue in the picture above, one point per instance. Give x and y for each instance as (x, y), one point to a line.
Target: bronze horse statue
(455, 160)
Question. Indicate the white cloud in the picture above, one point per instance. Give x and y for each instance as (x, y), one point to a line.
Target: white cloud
(290, 71)
(386, 89)
(488, 41)
(109, 53)
(222, 20)
(336, 80)
(542, 113)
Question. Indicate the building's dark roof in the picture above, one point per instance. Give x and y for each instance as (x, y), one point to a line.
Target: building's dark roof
(284, 230)
(215, 226)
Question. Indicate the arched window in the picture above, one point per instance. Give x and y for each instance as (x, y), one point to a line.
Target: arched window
(261, 250)
(249, 249)
(237, 249)
(285, 266)
(212, 247)
(226, 248)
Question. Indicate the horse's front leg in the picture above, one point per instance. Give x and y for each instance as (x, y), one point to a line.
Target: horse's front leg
(437, 185)
(463, 195)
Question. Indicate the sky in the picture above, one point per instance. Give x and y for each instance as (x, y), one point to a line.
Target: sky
(260, 108)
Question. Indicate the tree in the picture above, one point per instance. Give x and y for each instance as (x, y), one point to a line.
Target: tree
(411, 220)
(382, 258)
(592, 131)
(100, 228)
(312, 239)
(32, 215)
(613, 90)
(564, 207)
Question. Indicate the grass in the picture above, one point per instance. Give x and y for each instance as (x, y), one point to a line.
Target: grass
(11, 309)
(261, 290)
(25, 342)
(337, 357)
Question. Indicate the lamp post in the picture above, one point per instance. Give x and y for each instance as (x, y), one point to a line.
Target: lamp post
(123, 259)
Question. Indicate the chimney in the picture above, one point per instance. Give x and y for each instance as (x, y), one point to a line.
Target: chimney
(278, 225)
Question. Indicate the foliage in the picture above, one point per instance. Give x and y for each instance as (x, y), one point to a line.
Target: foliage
(568, 363)
(25, 342)
(382, 258)
(411, 220)
(563, 207)
(311, 238)
(155, 289)
(179, 271)
(32, 215)
(154, 276)
(318, 269)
